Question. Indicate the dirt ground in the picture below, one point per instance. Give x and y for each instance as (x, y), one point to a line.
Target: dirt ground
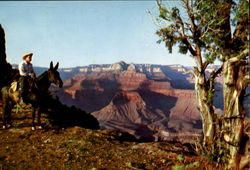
(78, 148)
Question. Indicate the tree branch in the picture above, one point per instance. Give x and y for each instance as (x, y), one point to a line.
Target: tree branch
(241, 32)
(214, 74)
(205, 64)
(239, 57)
(190, 72)
(190, 47)
(190, 15)
(179, 27)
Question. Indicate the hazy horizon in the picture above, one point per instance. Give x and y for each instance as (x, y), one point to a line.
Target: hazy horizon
(60, 67)
(81, 33)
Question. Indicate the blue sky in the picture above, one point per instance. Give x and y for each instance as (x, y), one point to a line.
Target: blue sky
(84, 32)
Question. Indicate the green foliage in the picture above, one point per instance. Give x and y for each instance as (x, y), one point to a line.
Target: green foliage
(163, 13)
(193, 165)
(181, 159)
(212, 30)
(210, 58)
(167, 15)
(179, 31)
(217, 18)
(167, 37)
(239, 10)
(169, 34)
(215, 24)
(175, 13)
(211, 96)
(178, 167)
(183, 49)
(215, 153)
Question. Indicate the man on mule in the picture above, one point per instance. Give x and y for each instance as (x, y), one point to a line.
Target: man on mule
(26, 72)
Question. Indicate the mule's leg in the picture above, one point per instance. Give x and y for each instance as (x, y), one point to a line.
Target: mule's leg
(9, 109)
(6, 113)
(33, 118)
(39, 118)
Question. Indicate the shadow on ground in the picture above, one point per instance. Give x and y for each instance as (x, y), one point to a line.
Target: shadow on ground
(65, 116)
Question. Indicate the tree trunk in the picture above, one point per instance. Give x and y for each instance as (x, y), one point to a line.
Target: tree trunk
(205, 106)
(236, 79)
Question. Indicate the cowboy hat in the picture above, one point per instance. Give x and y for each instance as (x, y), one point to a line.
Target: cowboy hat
(27, 55)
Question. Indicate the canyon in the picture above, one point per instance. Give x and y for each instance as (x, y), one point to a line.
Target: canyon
(152, 102)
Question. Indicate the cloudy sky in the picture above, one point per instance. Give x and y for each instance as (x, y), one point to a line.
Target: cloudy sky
(85, 32)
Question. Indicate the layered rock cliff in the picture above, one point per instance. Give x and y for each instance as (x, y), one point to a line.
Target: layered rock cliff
(149, 115)
(144, 100)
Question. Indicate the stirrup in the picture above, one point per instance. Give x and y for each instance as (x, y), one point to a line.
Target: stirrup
(18, 107)
(23, 105)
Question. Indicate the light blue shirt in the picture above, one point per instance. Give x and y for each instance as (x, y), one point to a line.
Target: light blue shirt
(25, 68)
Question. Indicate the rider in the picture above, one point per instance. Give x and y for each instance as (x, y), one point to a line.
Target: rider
(26, 71)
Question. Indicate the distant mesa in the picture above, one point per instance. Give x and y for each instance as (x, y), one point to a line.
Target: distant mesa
(178, 67)
(120, 66)
(132, 68)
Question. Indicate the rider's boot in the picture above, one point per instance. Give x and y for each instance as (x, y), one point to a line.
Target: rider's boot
(22, 90)
(22, 103)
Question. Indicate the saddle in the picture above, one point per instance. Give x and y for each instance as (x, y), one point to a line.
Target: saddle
(14, 87)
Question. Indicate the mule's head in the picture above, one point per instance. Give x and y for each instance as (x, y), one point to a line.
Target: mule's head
(54, 76)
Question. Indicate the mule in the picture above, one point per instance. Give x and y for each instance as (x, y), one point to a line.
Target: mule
(38, 90)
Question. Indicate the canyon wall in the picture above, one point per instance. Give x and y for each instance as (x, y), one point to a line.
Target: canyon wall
(151, 102)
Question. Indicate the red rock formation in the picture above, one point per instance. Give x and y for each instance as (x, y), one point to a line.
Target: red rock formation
(136, 113)
(130, 101)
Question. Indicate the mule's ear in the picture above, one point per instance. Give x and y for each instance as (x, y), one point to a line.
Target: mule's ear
(57, 65)
(51, 65)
